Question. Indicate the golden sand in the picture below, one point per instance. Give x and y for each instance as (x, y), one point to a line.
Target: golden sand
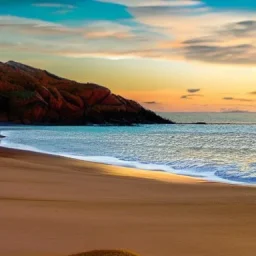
(54, 206)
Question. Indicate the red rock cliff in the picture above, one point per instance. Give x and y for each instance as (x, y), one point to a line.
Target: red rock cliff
(33, 96)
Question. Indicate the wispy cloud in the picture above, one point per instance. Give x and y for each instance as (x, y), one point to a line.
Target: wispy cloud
(192, 93)
(202, 34)
(54, 5)
(159, 29)
(107, 29)
(60, 8)
(190, 96)
(239, 29)
(151, 102)
(237, 54)
(92, 39)
(145, 3)
(45, 3)
(238, 99)
(193, 90)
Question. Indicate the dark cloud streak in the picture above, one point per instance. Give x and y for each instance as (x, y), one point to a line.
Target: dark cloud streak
(190, 96)
(238, 99)
(238, 54)
(151, 102)
(193, 90)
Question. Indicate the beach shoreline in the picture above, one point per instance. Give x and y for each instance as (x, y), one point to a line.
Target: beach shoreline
(135, 171)
(55, 206)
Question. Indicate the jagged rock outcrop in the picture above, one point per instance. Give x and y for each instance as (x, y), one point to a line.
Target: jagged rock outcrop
(33, 96)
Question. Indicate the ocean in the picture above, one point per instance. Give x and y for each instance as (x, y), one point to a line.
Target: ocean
(213, 117)
(217, 152)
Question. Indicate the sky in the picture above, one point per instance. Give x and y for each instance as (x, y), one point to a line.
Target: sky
(169, 55)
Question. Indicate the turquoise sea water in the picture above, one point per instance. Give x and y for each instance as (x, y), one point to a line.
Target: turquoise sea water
(225, 153)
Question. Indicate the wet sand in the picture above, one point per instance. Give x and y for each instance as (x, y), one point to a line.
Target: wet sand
(54, 206)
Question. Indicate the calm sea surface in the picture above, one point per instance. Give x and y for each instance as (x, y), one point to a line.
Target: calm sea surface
(218, 152)
(217, 118)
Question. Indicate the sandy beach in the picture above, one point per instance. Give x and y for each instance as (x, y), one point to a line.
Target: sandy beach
(54, 206)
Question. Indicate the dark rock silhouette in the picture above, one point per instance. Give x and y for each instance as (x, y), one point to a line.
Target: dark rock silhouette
(33, 96)
(106, 253)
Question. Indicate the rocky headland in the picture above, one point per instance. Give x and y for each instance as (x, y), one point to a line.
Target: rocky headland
(33, 96)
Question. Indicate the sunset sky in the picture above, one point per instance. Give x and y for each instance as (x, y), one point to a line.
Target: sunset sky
(170, 55)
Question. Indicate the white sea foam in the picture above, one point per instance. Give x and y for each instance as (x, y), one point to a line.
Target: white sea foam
(210, 154)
